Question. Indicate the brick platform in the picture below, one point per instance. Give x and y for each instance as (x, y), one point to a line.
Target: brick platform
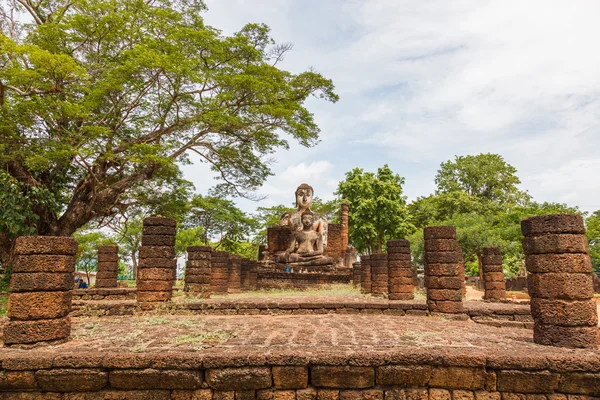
(108, 294)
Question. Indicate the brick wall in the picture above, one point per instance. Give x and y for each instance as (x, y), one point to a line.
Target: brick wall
(334, 242)
(278, 238)
(415, 374)
(283, 280)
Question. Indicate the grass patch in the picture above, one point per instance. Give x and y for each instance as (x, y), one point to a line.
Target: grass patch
(3, 304)
(335, 290)
(200, 340)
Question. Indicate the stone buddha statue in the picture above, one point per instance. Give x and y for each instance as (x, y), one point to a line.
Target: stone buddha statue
(309, 232)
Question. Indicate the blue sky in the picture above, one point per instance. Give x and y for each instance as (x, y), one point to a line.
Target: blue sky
(423, 81)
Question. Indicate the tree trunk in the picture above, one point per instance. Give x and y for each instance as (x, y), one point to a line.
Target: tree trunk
(134, 264)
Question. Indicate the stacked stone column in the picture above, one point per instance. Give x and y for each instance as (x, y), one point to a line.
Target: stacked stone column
(253, 275)
(559, 279)
(157, 268)
(107, 267)
(235, 272)
(365, 274)
(493, 277)
(442, 259)
(219, 275)
(400, 278)
(198, 270)
(379, 275)
(461, 273)
(41, 290)
(245, 275)
(356, 273)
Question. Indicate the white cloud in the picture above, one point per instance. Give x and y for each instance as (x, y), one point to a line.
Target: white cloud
(421, 82)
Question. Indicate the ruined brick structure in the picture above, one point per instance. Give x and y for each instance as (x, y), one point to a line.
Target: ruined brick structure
(334, 243)
(235, 274)
(219, 274)
(560, 281)
(442, 260)
(356, 272)
(278, 238)
(157, 268)
(245, 275)
(253, 275)
(365, 274)
(379, 275)
(198, 271)
(461, 273)
(261, 251)
(344, 225)
(493, 277)
(107, 267)
(400, 273)
(40, 290)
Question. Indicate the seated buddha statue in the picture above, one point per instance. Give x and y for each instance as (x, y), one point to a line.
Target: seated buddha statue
(308, 237)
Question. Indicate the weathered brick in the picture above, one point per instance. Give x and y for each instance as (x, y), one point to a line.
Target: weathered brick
(439, 232)
(246, 378)
(71, 380)
(367, 394)
(401, 375)
(580, 383)
(527, 381)
(306, 394)
(462, 395)
(45, 245)
(561, 286)
(200, 394)
(155, 379)
(38, 305)
(36, 331)
(395, 394)
(513, 396)
(328, 394)
(290, 377)
(226, 395)
(17, 380)
(553, 223)
(247, 395)
(572, 263)
(284, 395)
(41, 281)
(555, 243)
(346, 377)
(44, 263)
(439, 394)
(159, 221)
(416, 394)
(458, 378)
(485, 395)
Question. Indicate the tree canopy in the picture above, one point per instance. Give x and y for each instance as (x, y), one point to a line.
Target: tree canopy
(100, 97)
(377, 208)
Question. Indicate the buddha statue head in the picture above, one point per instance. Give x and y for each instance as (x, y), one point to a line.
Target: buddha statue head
(307, 219)
(304, 196)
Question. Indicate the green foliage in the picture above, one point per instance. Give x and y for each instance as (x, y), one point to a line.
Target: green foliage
(101, 99)
(377, 208)
(87, 249)
(220, 219)
(187, 237)
(593, 234)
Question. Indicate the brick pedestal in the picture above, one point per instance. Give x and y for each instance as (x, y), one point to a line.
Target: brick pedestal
(219, 276)
(235, 274)
(108, 266)
(442, 259)
(356, 272)
(41, 290)
(560, 281)
(197, 271)
(493, 277)
(365, 274)
(157, 268)
(245, 275)
(379, 275)
(400, 274)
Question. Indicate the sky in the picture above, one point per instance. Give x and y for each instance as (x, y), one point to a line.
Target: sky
(421, 82)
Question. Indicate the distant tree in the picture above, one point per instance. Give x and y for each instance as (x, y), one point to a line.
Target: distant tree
(221, 221)
(99, 98)
(87, 250)
(377, 208)
(187, 237)
(484, 176)
(593, 233)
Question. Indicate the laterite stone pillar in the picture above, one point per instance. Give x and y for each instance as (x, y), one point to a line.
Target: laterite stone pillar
(107, 267)
(365, 274)
(245, 275)
(400, 278)
(197, 271)
(461, 273)
(41, 290)
(442, 259)
(559, 279)
(219, 275)
(493, 277)
(356, 272)
(235, 274)
(253, 275)
(379, 275)
(157, 269)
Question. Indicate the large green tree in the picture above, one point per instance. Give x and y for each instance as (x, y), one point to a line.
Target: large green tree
(99, 97)
(377, 208)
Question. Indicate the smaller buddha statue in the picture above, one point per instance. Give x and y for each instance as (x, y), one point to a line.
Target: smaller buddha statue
(309, 243)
